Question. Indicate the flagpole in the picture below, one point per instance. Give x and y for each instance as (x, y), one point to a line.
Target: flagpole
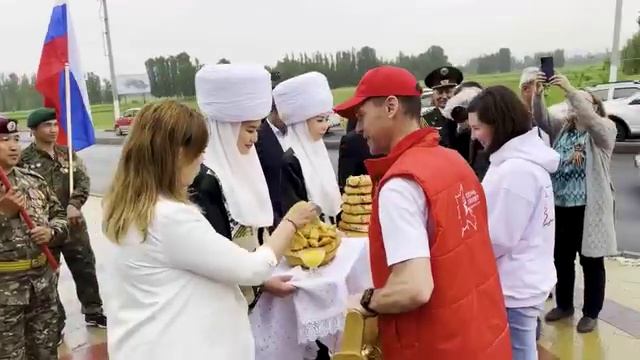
(67, 95)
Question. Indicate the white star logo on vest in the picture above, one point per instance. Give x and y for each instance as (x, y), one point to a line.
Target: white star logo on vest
(466, 202)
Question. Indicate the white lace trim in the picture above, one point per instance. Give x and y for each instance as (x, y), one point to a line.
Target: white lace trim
(314, 330)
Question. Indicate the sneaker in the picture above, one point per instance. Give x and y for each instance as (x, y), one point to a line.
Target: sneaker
(586, 325)
(96, 320)
(558, 314)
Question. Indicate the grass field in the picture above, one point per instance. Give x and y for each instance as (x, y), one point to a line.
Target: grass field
(580, 76)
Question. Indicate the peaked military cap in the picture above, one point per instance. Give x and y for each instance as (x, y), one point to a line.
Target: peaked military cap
(446, 76)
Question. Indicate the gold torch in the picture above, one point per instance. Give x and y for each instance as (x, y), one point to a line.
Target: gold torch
(359, 339)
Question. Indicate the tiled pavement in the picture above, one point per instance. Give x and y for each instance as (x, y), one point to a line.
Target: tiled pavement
(617, 337)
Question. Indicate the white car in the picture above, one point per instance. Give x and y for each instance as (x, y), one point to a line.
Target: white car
(626, 114)
(333, 120)
(615, 90)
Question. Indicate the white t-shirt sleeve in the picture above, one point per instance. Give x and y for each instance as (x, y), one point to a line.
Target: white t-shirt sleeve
(403, 216)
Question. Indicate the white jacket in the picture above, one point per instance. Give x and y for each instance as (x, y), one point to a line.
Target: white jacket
(176, 293)
(522, 218)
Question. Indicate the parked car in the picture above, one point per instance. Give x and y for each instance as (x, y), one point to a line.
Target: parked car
(427, 101)
(615, 90)
(637, 161)
(626, 114)
(124, 122)
(334, 120)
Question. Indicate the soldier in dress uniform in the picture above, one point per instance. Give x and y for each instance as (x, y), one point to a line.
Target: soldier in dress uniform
(443, 82)
(28, 294)
(51, 161)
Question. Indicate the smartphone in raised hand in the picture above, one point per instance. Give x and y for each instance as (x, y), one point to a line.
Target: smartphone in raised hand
(546, 66)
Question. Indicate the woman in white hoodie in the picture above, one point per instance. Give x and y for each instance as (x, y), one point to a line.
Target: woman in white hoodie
(521, 209)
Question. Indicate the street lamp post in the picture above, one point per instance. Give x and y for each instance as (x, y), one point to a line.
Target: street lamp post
(112, 69)
(615, 49)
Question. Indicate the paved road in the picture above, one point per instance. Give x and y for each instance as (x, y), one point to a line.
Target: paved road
(101, 161)
(626, 179)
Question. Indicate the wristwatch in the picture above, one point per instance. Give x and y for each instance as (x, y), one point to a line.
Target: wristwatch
(365, 300)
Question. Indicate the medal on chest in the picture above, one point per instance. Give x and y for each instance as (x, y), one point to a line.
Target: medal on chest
(578, 156)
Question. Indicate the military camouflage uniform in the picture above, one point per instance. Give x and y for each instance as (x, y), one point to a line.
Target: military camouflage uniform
(77, 252)
(28, 310)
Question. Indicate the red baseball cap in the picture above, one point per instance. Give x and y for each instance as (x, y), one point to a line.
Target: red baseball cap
(381, 81)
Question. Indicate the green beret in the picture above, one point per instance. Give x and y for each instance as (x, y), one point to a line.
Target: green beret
(39, 116)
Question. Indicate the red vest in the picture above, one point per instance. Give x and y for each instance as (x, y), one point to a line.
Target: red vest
(465, 317)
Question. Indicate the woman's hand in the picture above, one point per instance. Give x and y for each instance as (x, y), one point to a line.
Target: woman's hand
(302, 213)
(562, 82)
(539, 82)
(279, 286)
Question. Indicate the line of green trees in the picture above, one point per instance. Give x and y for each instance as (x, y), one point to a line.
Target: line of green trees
(173, 76)
(98, 90)
(345, 68)
(18, 92)
(631, 54)
(503, 62)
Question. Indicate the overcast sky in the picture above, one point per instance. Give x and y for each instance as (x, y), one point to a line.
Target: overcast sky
(263, 31)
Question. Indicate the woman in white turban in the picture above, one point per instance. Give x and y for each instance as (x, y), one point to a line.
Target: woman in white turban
(231, 187)
(305, 104)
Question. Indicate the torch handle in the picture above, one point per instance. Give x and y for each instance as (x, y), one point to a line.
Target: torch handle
(27, 219)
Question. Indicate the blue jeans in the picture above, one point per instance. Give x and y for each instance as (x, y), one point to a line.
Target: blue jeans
(522, 326)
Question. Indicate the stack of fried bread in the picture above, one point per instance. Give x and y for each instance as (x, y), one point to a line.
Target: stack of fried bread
(356, 206)
(311, 243)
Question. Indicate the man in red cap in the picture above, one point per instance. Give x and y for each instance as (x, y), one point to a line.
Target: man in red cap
(437, 293)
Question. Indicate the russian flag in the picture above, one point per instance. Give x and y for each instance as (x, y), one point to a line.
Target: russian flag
(60, 48)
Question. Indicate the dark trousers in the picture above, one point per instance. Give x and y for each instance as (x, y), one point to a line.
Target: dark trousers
(81, 261)
(323, 353)
(569, 228)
